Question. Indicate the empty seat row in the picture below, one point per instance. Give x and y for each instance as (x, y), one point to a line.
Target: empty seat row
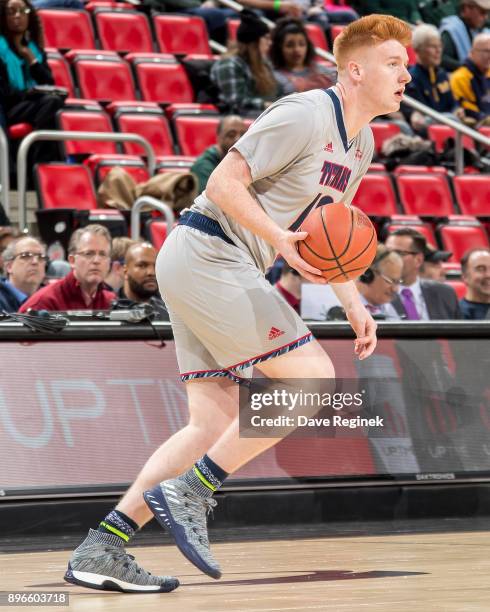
(193, 133)
(124, 31)
(423, 195)
(105, 77)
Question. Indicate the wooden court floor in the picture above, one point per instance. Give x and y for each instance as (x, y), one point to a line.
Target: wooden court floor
(441, 572)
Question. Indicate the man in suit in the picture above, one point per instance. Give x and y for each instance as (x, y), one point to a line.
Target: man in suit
(418, 298)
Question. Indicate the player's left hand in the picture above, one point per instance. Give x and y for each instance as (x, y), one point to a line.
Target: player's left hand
(364, 327)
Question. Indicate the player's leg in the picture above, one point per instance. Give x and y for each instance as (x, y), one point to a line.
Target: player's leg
(309, 361)
(182, 504)
(212, 408)
(101, 561)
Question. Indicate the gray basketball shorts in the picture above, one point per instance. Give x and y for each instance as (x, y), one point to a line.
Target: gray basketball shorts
(226, 317)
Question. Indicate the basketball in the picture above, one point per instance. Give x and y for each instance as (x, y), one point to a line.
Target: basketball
(341, 242)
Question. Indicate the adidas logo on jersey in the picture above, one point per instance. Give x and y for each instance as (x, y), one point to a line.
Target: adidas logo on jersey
(358, 154)
(328, 148)
(275, 333)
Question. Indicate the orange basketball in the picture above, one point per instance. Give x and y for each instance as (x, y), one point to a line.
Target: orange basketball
(341, 241)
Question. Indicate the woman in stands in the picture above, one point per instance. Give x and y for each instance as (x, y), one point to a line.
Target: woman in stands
(244, 78)
(293, 57)
(23, 67)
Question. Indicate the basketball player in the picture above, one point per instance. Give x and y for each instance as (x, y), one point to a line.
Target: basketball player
(305, 150)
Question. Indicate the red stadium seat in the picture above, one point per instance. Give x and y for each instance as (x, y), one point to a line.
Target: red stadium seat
(473, 194)
(163, 82)
(382, 131)
(181, 34)
(67, 28)
(376, 196)
(440, 133)
(152, 127)
(60, 70)
(425, 195)
(17, 131)
(95, 5)
(459, 238)
(124, 31)
(402, 169)
(375, 167)
(65, 186)
(413, 222)
(232, 27)
(486, 132)
(86, 121)
(316, 35)
(105, 80)
(335, 30)
(458, 286)
(101, 165)
(412, 57)
(195, 133)
(171, 163)
(156, 232)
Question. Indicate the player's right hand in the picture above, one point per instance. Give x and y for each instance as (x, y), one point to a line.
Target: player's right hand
(286, 245)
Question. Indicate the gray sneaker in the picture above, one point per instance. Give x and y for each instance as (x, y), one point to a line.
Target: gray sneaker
(183, 514)
(101, 562)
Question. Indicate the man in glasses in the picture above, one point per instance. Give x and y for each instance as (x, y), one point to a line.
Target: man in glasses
(419, 299)
(25, 266)
(89, 254)
(379, 284)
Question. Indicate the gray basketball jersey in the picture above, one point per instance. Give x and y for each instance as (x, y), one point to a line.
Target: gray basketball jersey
(299, 158)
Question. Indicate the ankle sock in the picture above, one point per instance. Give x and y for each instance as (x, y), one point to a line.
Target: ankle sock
(118, 523)
(205, 477)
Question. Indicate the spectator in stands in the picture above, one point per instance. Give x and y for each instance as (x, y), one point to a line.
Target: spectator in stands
(432, 267)
(140, 282)
(115, 278)
(403, 9)
(458, 31)
(293, 58)
(230, 129)
(434, 11)
(471, 82)
(475, 267)
(379, 284)
(430, 82)
(7, 234)
(244, 78)
(25, 265)
(419, 299)
(89, 254)
(23, 67)
(214, 16)
(72, 4)
(289, 286)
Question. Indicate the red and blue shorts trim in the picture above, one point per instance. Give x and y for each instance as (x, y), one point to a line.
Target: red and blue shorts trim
(230, 371)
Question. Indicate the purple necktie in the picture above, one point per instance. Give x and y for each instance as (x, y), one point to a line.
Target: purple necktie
(409, 304)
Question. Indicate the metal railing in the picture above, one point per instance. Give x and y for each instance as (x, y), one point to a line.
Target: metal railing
(65, 135)
(4, 172)
(153, 203)
(415, 104)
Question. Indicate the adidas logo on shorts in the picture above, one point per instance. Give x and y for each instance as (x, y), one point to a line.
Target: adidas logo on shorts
(275, 333)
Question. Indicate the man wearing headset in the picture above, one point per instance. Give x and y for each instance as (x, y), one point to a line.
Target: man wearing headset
(379, 284)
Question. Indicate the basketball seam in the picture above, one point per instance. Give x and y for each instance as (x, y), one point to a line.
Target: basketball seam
(339, 265)
(354, 258)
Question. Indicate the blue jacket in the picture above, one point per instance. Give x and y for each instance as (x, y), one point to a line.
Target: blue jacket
(431, 86)
(9, 299)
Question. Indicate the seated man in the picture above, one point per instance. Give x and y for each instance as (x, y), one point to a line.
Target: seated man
(430, 82)
(379, 284)
(432, 267)
(140, 282)
(115, 278)
(475, 267)
(458, 31)
(89, 254)
(419, 299)
(230, 129)
(471, 83)
(25, 265)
